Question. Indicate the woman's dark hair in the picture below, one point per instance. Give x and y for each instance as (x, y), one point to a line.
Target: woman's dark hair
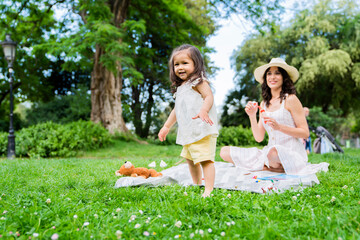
(199, 66)
(287, 87)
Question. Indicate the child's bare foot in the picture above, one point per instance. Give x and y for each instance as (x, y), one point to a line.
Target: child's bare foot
(206, 194)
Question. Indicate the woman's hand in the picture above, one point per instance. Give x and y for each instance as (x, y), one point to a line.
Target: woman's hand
(251, 108)
(163, 132)
(272, 123)
(203, 115)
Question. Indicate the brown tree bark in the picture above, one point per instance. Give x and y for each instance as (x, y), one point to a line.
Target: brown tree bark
(106, 106)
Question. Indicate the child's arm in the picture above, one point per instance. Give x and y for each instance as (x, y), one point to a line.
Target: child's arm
(206, 93)
(168, 124)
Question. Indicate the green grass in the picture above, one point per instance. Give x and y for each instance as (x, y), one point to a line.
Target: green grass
(84, 186)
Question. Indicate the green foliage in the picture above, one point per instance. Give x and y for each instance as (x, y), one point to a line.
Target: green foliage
(238, 136)
(62, 109)
(331, 120)
(54, 140)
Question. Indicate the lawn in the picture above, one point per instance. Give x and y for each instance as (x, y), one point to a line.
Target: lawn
(74, 198)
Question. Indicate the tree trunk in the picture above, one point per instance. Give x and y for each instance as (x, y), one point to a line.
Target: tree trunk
(106, 88)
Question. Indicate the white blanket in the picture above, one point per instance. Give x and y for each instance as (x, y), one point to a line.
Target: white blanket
(229, 177)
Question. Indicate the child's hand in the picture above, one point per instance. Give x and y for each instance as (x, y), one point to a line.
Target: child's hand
(163, 132)
(203, 115)
(251, 108)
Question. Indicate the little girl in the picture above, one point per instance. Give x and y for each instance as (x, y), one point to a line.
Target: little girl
(195, 114)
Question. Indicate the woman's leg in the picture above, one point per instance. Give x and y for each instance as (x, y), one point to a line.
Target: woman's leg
(225, 154)
(195, 171)
(209, 177)
(274, 161)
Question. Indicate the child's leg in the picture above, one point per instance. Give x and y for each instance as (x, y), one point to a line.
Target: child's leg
(209, 176)
(195, 171)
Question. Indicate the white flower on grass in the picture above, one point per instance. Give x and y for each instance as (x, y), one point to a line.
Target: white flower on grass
(177, 236)
(96, 216)
(293, 210)
(178, 224)
(114, 217)
(190, 226)
(318, 196)
(329, 218)
(55, 236)
(48, 201)
(201, 232)
(222, 234)
(147, 221)
(228, 223)
(345, 187)
(298, 194)
(294, 197)
(229, 195)
(163, 163)
(159, 216)
(118, 233)
(210, 230)
(132, 218)
(164, 225)
(232, 223)
(352, 188)
(137, 225)
(118, 210)
(5, 212)
(185, 193)
(341, 194)
(113, 214)
(3, 218)
(141, 212)
(86, 224)
(192, 235)
(35, 234)
(0, 198)
(75, 216)
(333, 199)
(146, 233)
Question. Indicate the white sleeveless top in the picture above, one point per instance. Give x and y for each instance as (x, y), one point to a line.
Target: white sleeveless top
(188, 103)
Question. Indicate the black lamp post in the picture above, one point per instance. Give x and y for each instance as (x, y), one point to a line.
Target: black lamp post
(9, 47)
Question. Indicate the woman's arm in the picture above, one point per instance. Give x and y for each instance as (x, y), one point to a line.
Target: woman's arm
(167, 125)
(204, 89)
(301, 129)
(257, 128)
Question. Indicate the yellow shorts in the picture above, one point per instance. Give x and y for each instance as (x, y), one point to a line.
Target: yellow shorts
(202, 150)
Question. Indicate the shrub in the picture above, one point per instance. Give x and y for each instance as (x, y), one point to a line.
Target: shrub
(54, 140)
(238, 136)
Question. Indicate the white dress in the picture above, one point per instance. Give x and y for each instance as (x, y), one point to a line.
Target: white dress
(188, 103)
(291, 150)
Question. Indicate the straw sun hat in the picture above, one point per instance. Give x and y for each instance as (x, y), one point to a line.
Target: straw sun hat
(276, 62)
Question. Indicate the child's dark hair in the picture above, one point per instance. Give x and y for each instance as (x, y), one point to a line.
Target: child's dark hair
(287, 87)
(199, 66)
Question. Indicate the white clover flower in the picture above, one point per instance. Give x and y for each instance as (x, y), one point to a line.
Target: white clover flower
(329, 218)
(229, 195)
(113, 214)
(114, 217)
(293, 210)
(0, 198)
(192, 235)
(5, 212)
(196, 231)
(55, 236)
(352, 188)
(159, 216)
(210, 230)
(48, 201)
(146, 233)
(149, 218)
(118, 210)
(294, 197)
(190, 226)
(333, 199)
(96, 216)
(228, 223)
(232, 223)
(35, 235)
(298, 194)
(2, 218)
(341, 194)
(177, 236)
(86, 224)
(201, 232)
(222, 234)
(147, 221)
(345, 187)
(141, 212)
(132, 218)
(137, 225)
(118, 233)
(178, 224)
(185, 193)
(318, 196)
(75, 216)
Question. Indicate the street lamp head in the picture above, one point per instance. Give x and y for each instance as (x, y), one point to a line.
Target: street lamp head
(9, 47)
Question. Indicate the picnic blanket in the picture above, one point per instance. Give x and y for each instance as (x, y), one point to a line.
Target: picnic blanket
(229, 177)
